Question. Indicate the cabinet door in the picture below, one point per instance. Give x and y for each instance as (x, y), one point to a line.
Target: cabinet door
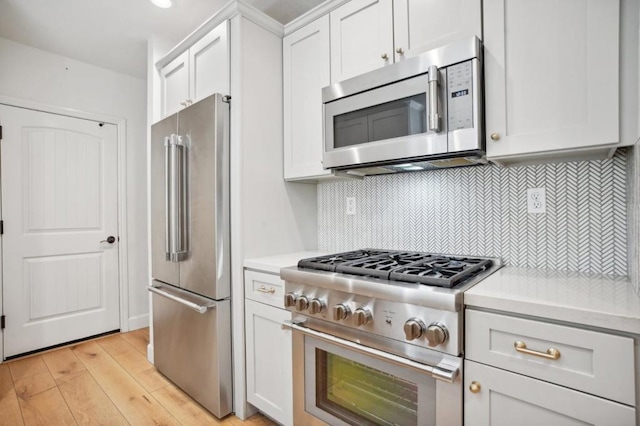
(511, 399)
(174, 79)
(209, 64)
(306, 72)
(552, 71)
(269, 361)
(361, 37)
(421, 25)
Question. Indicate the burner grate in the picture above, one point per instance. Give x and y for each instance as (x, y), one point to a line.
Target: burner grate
(442, 271)
(416, 267)
(380, 266)
(331, 261)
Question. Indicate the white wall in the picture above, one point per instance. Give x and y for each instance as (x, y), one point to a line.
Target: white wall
(38, 76)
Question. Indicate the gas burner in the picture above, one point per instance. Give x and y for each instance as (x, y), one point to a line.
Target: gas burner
(379, 266)
(441, 271)
(329, 262)
(424, 268)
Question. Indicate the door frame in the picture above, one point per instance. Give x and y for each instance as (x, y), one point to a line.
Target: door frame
(121, 126)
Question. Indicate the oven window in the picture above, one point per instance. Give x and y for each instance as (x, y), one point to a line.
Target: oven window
(362, 395)
(402, 117)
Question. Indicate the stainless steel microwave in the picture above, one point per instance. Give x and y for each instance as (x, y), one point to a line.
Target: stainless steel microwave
(424, 112)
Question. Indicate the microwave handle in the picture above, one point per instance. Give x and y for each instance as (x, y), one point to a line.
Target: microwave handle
(434, 113)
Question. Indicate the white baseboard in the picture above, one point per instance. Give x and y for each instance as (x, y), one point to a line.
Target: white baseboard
(141, 321)
(150, 353)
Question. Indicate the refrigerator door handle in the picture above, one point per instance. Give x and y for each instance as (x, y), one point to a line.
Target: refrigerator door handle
(168, 243)
(207, 304)
(176, 202)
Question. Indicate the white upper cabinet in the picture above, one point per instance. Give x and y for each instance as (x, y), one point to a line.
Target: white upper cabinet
(174, 78)
(209, 61)
(369, 34)
(200, 71)
(361, 37)
(306, 72)
(552, 77)
(422, 25)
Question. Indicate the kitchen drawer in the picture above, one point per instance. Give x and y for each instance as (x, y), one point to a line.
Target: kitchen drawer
(264, 288)
(594, 362)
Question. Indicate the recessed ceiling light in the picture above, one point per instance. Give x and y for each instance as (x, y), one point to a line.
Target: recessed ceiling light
(165, 4)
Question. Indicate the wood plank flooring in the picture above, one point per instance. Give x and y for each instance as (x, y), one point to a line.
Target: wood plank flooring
(107, 381)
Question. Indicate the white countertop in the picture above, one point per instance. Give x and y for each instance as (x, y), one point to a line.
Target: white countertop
(604, 301)
(272, 264)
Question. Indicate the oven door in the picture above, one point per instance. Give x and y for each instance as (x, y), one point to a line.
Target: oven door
(385, 124)
(340, 382)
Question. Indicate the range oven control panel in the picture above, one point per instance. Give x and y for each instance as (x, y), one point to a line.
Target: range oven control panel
(426, 327)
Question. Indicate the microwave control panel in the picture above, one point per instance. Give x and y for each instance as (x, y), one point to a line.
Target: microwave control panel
(460, 96)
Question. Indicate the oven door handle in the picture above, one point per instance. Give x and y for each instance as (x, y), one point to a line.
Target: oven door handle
(436, 372)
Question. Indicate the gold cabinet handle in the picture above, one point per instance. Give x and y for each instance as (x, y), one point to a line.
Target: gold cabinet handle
(495, 136)
(474, 387)
(551, 353)
(384, 56)
(400, 51)
(263, 289)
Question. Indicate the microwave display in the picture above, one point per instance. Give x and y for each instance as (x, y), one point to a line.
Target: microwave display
(459, 85)
(388, 120)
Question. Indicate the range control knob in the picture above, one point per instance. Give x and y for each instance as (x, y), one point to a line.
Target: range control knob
(289, 300)
(341, 312)
(302, 303)
(437, 334)
(317, 306)
(414, 328)
(363, 316)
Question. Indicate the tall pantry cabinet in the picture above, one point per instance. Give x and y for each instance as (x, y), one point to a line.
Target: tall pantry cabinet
(263, 205)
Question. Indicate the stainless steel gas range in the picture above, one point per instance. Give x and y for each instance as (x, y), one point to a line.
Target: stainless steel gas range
(378, 336)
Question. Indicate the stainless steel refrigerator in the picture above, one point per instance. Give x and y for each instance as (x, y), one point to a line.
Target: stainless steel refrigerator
(190, 251)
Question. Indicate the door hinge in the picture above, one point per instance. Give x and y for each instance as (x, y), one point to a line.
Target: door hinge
(2, 322)
(1, 227)
(0, 133)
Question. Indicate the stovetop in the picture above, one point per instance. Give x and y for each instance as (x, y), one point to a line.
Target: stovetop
(386, 293)
(406, 266)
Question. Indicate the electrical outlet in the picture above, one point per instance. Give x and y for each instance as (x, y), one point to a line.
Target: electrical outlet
(351, 205)
(536, 200)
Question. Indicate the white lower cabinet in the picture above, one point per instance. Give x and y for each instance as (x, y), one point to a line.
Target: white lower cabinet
(497, 397)
(269, 363)
(526, 371)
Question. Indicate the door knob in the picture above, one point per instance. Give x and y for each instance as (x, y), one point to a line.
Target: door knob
(110, 239)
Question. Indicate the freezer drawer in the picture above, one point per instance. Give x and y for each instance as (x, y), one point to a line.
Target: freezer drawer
(192, 345)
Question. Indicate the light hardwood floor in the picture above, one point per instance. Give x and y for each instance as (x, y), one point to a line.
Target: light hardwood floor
(105, 381)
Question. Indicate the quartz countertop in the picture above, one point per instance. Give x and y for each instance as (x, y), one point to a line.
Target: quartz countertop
(604, 301)
(272, 264)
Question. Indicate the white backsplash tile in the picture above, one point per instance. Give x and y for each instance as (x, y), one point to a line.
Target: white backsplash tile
(482, 211)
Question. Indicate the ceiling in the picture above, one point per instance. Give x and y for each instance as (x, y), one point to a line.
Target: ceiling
(113, 34)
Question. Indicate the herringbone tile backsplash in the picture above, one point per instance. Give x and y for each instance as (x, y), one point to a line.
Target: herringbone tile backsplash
(482, 211)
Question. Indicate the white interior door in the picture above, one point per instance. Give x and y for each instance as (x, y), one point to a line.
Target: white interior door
(59, 205)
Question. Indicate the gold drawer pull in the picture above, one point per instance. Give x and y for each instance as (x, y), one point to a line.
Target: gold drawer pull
(550, 354)
(263, 289)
